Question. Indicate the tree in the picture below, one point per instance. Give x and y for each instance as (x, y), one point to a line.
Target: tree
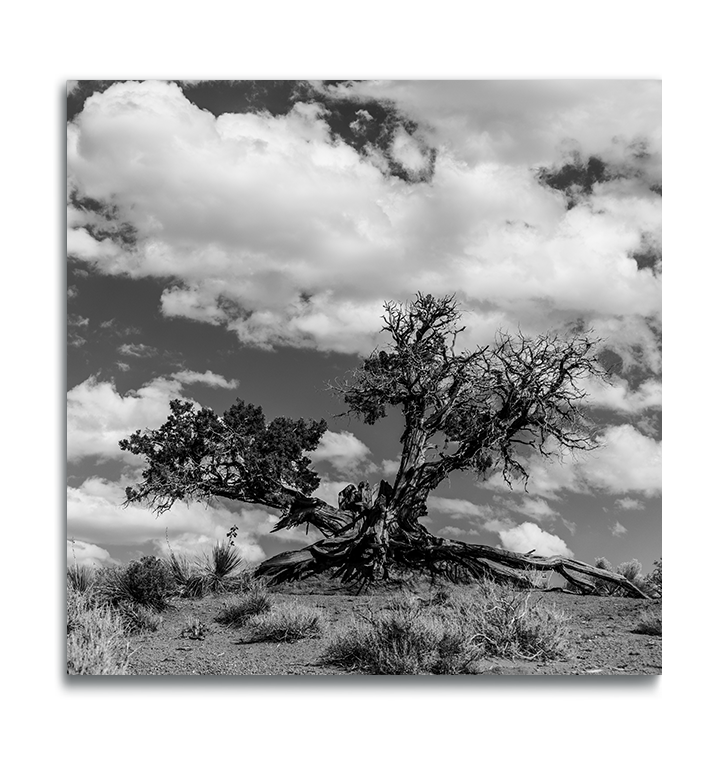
(481, 411)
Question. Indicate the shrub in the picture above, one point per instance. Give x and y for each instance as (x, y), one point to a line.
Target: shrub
(138, 618)
(507, 624)
(219, 567)
(80, 578)
(406, 639)
(449, 632)
(654, 579)
(194, 629)
(631, 570)
(178, 568)
(144, 582)
(286, 623)
(650, 623)
(96, 643)
(237, 611)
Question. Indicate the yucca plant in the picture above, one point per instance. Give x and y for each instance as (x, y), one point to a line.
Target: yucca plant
(220, 567)
(178, 567)
(80, 577)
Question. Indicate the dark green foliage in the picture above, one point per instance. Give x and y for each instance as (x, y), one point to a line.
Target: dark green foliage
(145, 582)
(197, 455)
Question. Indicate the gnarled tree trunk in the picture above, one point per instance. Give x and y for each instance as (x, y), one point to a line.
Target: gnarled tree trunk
(373, 532)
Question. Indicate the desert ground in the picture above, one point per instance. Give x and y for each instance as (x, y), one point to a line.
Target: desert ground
(602, 636)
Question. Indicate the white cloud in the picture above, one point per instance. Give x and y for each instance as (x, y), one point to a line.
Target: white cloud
(617, 529)
(96, 515)
(528, 536)
(274, 229)
(98, 417)
(208, 378)
(523, 121)
(88, 555)
(459, 509)
(137, 350)
(390, 467)
(626, 462)
(346, 453)
(328, 490)
(629, 504)
(456, 533)
(618, 396)
(536, 508)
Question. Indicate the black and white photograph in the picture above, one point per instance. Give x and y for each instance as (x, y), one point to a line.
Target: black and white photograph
(364, 377)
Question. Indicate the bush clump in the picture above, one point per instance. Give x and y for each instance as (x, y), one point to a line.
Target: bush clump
(80, 577)
(286, 623)
(238, 610)
(146, 582)
(650, 623)
(219, 572)
(96, 643)
(450, 632)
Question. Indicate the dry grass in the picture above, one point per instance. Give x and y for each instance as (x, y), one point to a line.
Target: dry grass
(650, 623)
(286, 623)
(96, 643)
(449, 632)
(238, 610)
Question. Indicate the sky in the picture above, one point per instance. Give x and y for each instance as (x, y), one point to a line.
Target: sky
(238, 239)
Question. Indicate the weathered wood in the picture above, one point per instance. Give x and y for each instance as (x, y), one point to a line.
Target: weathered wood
(366, 540)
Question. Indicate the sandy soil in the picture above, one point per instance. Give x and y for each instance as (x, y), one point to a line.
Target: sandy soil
(602, 639)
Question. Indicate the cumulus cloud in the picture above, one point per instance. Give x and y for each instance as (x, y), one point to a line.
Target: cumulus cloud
(328, 490)
(459, 509)
(279, 231)
(208, 378)
(629, 504)
(137, 350)
(88, 555)
(98, 416)
(536, 508)
(528, 536)
(618, 396)
(390, 467)
(626, 462)
(344, 451)
(96, 515)
(456, 533)
(618, 530)
(523, 121)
